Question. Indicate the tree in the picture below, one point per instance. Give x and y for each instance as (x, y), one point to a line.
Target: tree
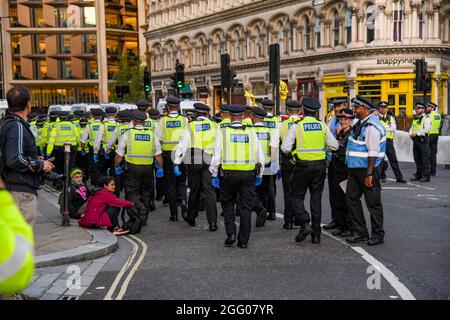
(130, 73)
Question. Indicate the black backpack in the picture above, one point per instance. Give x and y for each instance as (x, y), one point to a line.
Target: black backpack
(134, 223)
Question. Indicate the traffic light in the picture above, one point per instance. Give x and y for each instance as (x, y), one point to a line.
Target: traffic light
(179, 81)
(225, 71)
(147, 81)
(173, 83)
(420, 64)
(274, 64)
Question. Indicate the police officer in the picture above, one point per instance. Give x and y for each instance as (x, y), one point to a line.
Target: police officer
(82, 160)
(433, 134)
(339, 104)
(158, 191)
(226, 121)
(419, 133)
(62, 132)
(32, 118)
(42, 135)
(239, 153)
(247, 116)
(105, 131)
(88, 138)
(52, 118)
(286, 160)
(270, 120)
(365, 153)
(195, 150)
(169, 132)
(139, 147)
(389, 124)
(78, 114)
(310, 137)
(143, 105)
(217, 118)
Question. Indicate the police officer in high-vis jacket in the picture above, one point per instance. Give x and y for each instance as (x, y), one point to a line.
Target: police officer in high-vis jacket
(238, 151)
(434, 132)
(366, 148)
(169, 132)
(88, 138)
(42, 135)
(419, 133)
(101, 139)
(310, 138)
(140, 148)
(225, 116)
(195, 150)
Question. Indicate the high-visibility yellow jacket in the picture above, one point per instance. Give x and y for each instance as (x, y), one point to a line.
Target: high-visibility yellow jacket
(62, 132)
(16, 247)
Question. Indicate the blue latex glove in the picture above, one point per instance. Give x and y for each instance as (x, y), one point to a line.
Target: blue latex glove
(83, 152)
(274, 167)
(107, 157)
(279, 176)
(95, 158)
(118, 170)
(176, 170)
(215, 182)
(258, 181)
(159, 172)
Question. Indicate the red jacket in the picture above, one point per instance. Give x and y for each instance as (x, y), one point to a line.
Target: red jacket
(95, 214)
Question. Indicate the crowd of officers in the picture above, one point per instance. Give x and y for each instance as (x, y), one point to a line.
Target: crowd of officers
(237, 155)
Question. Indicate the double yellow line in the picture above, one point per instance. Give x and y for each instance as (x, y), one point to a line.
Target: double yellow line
(131, 265)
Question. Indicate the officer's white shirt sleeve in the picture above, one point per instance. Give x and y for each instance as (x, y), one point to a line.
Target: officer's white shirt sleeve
(111, 141)
(426, 127)
(158, 131)
(182, 146)
(122, 145)
(85, 134)
(260, 159)
(98, 139)
(392, 126)
(289, 140)
(372, 140)
(275, 137)
(217, 155)
(158, 150)
(331, 142)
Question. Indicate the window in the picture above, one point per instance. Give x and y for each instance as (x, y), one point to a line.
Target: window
(64, 42)
(88, 17)
(317, 32)
(90, 43)
(38, 44)
(421, 14)
(307, 34)
(37, 19)
(17, 70)
(40, 69)
(13, 17)
(370, 22)
(370, 89)
(348, 25)
(259, 43)
(90, 70)
(61, 17)
(281, 39)
(65, 69)
(15, 43)
(336, 29)
(398, 8)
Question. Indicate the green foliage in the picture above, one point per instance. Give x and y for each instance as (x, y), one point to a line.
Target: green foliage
(131, 73)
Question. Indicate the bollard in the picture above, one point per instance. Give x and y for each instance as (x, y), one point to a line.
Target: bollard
(65, 209)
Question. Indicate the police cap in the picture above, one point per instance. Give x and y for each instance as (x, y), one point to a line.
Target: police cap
(63, 114)
(201, 107)
(346, 114)
(138, 116)
(153, 113)
(41, 119)
(83, 121)
(111, 110)
(419, 105)
(259, 112)
(236, 109)
(142, 103)
(310, 104)
(293, 105)
(339, 100)
(433, 105)
(78, 113)
(32, 116)
(173, 101)
(124, 114)
(70, 117)
(224, 108)
(267, 103)
(248, 108)
(360, 101)
(382, 104)
(96, 112)
(217, 117)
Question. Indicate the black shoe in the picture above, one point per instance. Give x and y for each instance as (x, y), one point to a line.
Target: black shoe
(165, 201)
(304, 231)
(346, 233)
(288, 226)
(297, 221)
(331, 225)
(336, 232)
(272, 216)
(184, 210)
(152, 206)
(173, 218)
(315, 239)
(356, 239)
(213, 226)
(230, 240)
(375, 242)
(191, 222)
(401, 180)
(242, 245)
(261, 218)
(425, 179)
(433, 174)
(383, 180)
(415, 178)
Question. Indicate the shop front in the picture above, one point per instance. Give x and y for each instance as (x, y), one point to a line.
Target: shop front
(334, 86)
(202, 90)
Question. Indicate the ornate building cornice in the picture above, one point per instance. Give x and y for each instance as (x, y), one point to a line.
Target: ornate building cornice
(222, 16)
(442, 51)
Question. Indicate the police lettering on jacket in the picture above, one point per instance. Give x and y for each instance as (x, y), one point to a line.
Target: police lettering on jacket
(202, 127)
(239, 138)
(142, 137)
(312, 127)
(173, 124)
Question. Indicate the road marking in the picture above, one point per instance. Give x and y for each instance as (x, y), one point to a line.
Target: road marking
(125, 284)
(123, 270)
(415, 185)
(398, 188)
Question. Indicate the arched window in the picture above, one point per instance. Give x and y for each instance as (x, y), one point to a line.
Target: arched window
(281, 38)
(336, 29)
(317, 32)
(237, 45)
(259, 43)
(370, 22)
(398, 8)
(218, 49)
(307, 34)
(348, 25)
(421, 14)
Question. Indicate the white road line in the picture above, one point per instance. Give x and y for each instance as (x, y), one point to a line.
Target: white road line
(125, 284)
(416, 185)
(397, 188)
(123, 270)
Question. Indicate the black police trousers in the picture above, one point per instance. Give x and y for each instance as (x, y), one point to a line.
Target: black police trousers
(286, 171)
(308, 175)
(58, 153)
(238, 187)
(372, 196)
(265, 195)
(421, 152)
(199, 181)
(339, 204)
(96, 171)
(434, 138)
(82, 162)
(392, 157)
(175, 187)
(331, 197)
(138, 187)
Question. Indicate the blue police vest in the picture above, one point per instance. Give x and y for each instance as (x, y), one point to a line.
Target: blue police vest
(332, 124)
(357, 152)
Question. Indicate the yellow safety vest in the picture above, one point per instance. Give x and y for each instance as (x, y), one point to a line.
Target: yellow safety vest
(286, 125)
(435, 122)
(311, 137)
(16, 247)
(225, 123)
(42, 137)
(108, 129)
(140, 146)
(386, 123)
(80, 133)
(203, 134)
(264, 135)
(62, 132)
(238, 148)
(171, 131)
(418, 124)
(271, 122)
(149, 123)
(92, 131)
(247, 122)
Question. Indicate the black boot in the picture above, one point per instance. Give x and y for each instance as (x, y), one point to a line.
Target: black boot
(230, 240)
(213, 226)
(288, 226)
(261, 218)
(152, 206)
(184, 210)
(272, 216)
(315, 239)
(304, 231)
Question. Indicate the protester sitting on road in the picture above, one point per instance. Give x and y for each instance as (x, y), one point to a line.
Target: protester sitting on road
(78, 194)
(103, 208)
